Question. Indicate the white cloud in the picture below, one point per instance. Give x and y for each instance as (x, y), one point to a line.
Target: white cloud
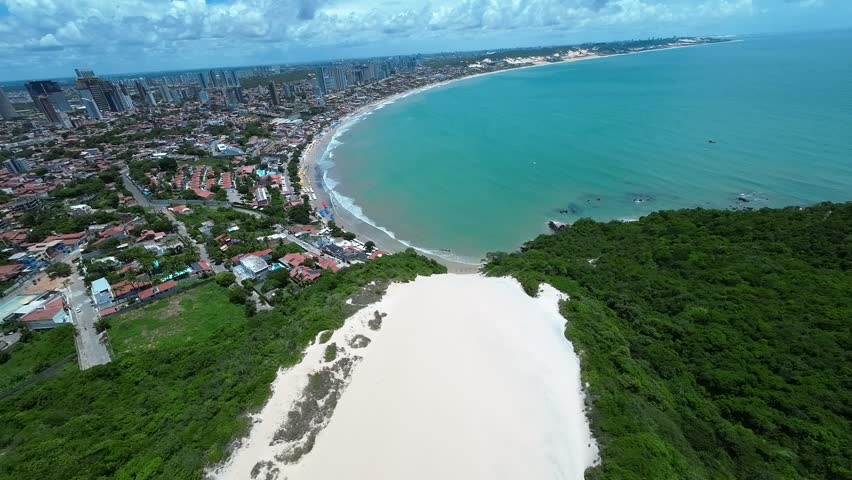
(84, 29)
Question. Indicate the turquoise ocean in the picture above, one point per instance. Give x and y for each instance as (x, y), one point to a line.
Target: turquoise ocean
(482, 164)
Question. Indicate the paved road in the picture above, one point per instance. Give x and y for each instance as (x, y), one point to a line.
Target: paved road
(91, 350)
(298, 241)
(140, 197)
(253, 213)
(142, 200)
(202, 248)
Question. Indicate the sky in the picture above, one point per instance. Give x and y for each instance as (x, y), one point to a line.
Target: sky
(49, 38)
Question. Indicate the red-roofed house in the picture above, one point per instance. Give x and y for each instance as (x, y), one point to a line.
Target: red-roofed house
(160, 289)
(204, 194)
(305, 274)
(327, 263)
(126, 289)
(115, 231)
(48, 315)
(293, 260)
(200, 267)
(297, 229)
(13, 237)
(107, 311)
(68, 239)
(180, 209)
(9, 272)
(146, 235)
(376, 254)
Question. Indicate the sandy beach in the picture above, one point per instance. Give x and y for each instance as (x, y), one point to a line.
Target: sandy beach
(455, 377)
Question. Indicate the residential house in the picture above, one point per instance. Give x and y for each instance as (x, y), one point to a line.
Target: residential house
(180, 209)
(158, 290)
(305, 274)
(101, 291)
(38, 310)
(126, 289)
(251, 267)
(264, 254)
(10, 272)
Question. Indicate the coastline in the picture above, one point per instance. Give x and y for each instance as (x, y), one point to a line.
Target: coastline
(315, 175)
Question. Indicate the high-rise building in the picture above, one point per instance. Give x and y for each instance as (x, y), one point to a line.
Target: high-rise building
(325, 80)
(143, 92)
(91, 107)
(235, 80)
(339, 73)
(43, 105)
(7, 110)
(52, 91)
(288, 91)
(213, 81)
(273, 94)
(205, 99)
(95, 89)
(202, 80)
(57, 118)
(166, 93)
(83, 73)
(17, 165)
(124, 97)
(233, 96)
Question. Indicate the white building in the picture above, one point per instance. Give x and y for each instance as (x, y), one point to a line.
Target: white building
(251, 267)
(102, 291)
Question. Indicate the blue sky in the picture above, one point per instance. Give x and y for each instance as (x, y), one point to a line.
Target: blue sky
(49, 38)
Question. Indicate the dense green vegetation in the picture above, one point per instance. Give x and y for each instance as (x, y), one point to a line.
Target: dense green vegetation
(35, 352)
(278, 78)
(169, 404)
(54, 218)
(716, 343)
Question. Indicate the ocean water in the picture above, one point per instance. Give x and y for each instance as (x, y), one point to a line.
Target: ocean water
(482, 164)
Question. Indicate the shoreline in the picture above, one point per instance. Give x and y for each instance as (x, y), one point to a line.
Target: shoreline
(314, 175)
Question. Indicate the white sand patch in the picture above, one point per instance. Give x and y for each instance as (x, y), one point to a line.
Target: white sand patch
(467, 378)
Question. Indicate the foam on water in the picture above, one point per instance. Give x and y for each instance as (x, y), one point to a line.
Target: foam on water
(329, 184)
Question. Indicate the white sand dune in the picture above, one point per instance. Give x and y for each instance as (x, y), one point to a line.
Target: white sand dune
(468, 378)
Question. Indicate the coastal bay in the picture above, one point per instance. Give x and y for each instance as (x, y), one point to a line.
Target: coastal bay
(614, 138)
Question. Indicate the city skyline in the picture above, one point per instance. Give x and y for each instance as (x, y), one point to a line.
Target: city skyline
(49, 39)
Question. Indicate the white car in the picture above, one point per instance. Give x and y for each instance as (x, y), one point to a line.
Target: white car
(78, 310)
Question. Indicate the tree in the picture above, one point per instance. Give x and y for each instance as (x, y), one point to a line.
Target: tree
(300, 214)
(237, 294)
(102, 325)
(58, 269)
(251, 308)
(369, 246)
(225, 279)
(26, 335)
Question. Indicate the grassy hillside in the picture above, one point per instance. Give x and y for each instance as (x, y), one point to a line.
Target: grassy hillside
(716, 344)
(31, 357)
(195, 315)
(169, 404)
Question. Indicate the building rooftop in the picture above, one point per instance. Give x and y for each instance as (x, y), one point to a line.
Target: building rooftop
(100, 285)
(254, 263)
